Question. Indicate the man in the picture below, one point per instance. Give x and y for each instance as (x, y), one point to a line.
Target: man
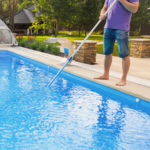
(117, 28)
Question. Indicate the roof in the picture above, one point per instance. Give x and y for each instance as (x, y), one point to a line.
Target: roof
(24, 16)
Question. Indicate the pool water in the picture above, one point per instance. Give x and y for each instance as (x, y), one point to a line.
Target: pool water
(72, 114)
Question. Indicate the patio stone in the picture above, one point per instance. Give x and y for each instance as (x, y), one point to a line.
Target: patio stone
(87, 53)
(140, 48)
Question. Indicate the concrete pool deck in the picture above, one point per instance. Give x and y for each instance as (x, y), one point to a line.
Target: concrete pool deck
(138, 81)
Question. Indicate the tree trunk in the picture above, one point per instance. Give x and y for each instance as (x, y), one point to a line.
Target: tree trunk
(13, 9)
(1, 9)
(69, 27)
(9, 6)
(85, 33)
(56, 31)
(79, 32)
(2, 13)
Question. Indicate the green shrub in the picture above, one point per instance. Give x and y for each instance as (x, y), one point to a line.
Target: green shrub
(19, 38)
(50, 47)
(55, 50)
(28, 45)
(22, 43)
(34, 46)
(136, 32)
(38, 43)
(100, 32)
(42, 48)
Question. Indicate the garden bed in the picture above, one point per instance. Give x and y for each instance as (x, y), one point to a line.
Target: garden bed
(34, 44)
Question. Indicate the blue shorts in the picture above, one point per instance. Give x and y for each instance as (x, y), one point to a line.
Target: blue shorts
(122, 37)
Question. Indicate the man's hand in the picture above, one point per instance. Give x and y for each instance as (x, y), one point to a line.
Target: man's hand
(102, 17)
(104, 9)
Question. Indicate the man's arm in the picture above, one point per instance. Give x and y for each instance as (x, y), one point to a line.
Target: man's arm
(132, 7)
(104, 9)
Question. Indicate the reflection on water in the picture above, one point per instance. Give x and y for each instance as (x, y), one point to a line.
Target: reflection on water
(66, 116)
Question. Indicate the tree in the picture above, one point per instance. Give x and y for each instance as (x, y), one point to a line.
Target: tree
(88, 15)
(12, 5)
(23, 4)
(7, 9)
(58, 11)
(142, 16)
(3, 9)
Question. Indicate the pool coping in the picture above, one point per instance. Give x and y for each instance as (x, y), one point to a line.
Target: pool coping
(54, 61)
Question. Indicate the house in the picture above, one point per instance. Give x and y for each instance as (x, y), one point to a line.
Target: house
(23, 20)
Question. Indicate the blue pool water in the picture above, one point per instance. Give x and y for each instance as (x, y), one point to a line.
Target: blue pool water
(72, 114)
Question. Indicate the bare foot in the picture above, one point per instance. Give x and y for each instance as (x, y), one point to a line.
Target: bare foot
(121, 83)
(103, 77)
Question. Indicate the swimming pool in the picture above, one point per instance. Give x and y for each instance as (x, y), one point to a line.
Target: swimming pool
(73, 114)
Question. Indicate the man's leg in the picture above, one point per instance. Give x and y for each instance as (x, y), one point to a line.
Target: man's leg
(108, 46)
(123, 41)
(125, 68)
(107, 64)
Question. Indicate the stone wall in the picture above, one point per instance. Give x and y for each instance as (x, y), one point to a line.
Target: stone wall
(87, 53)
(140, 48)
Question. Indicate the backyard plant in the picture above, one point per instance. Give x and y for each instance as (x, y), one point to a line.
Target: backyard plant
(37, 43)
(32, 43)
(31, 39)
(137, 32)
(28, 45)
(19, 38)
(50, 47)
(34, 46)
(23, 43)
(42, 48)
(55, 50)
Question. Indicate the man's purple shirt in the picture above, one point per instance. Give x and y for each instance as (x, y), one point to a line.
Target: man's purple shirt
(118, 17)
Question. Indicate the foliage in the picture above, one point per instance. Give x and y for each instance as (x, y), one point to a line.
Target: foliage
(53, 13)
(28, 45)
(23, 4)
(50, 47)
(42, 48)
(41, 22)
(31, 38)
(87, 15)
(19, 38)
(22, 43)
(142, 16)
(55, 50)
(3, 9)
(136, 32)
(34, 46)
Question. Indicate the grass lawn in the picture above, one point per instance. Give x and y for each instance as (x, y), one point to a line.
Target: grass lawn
(74, 36)
(115, 52)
